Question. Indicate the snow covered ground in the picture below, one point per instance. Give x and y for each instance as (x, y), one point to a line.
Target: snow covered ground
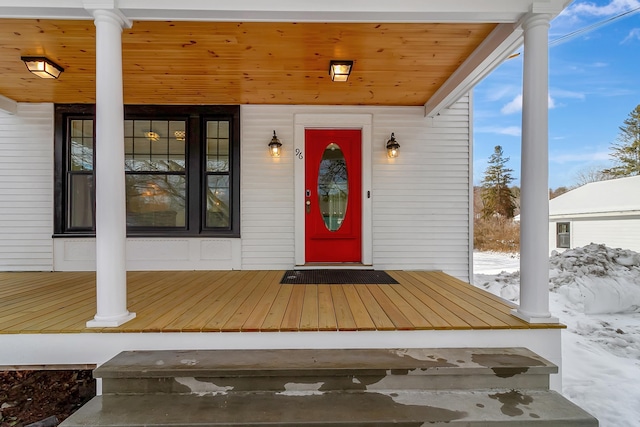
(595, 291)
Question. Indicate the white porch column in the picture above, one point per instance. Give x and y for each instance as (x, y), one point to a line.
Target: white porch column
(111, 228)
(534, 195)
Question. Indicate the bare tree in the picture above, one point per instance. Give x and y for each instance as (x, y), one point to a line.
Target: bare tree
(558, 191)
(590, 174)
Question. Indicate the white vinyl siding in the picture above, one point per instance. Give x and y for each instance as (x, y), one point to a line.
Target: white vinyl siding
(615, 233)
(420, 200)
(266, 188)
(26, 188)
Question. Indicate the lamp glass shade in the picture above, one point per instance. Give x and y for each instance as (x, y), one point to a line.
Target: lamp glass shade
(393, 148)
(275, 150)
(42, 67)
(275, 146)
(340, 70)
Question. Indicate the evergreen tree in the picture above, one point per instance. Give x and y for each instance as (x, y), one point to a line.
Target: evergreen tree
(496, 194)
(626, 152)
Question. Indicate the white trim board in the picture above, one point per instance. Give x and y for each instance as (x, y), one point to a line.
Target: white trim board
(290, 10)
(97, 348)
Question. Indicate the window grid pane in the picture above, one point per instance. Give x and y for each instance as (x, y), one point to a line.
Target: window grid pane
(81, 146)
(80, 201)
(217, 146)
(218, 208)
(157, 200)
(155, 145)
(217, 175)
(563, 235)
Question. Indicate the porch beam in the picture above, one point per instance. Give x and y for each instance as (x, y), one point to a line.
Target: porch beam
(534, 201)
(455, 11)
(502, 41)
(8, 105)
(111, 230)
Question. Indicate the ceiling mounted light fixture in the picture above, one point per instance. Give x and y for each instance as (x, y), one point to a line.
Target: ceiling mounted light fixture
(180, 135)
(340, 70)
(152, 136)
(42, 67)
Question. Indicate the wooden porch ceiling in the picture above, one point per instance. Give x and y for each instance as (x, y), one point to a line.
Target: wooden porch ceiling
(252, 301)
(174, 62)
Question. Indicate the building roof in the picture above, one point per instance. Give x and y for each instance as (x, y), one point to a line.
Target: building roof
(604, 198)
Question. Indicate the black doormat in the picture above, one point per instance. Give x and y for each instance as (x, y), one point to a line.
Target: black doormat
(336, 277)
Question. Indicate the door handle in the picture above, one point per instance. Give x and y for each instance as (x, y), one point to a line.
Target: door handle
(308, 205)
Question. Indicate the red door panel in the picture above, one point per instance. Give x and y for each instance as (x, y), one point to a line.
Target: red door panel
(333, 195)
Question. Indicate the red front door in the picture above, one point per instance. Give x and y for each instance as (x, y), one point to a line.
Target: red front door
(333, 196)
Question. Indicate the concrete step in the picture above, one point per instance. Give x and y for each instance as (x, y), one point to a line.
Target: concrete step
(336, 409)
(198, 371)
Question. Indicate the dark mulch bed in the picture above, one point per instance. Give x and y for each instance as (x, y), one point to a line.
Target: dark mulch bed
(30, 396)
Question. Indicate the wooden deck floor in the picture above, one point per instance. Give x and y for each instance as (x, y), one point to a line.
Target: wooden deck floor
(251, 301)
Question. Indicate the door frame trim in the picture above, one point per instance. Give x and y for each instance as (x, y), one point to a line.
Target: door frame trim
(363, 122)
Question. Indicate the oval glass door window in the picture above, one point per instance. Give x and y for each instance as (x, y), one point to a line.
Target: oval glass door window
(333, 187)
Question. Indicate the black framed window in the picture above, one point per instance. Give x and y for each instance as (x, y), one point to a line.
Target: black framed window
(563, 235)
(79, 161)
(182, 166)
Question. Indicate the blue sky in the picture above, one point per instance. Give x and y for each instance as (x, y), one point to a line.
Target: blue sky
(594, 83)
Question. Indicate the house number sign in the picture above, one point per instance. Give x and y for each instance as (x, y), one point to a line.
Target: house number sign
(299, 153)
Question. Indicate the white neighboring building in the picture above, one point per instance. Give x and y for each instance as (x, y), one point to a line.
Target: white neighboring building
(605, 212)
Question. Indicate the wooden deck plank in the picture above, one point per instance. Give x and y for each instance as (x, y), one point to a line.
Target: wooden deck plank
(293, 313)
(426, 311)
(309, 320)
(201, 302)
(453, 321)
(16, 283)
(25, 301)
(75, 319)
(377, 314)
(45, 307)
(240, 315)
(446, 291)
(344, 317)
(396, 316)
(23, 310)
(273, 320)
(167, 309)
(159, 302)
(257, 317)
(193, 320)
(413, 315)
(480, 299)
(233, 303)
(473, 318)
(360, 314)
(188, 301)
(76, 310)
(326, 312)
(478, 293)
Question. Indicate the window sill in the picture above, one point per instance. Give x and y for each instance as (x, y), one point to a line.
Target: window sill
(155, 234)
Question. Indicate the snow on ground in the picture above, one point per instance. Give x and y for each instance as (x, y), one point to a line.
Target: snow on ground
(595, 291)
